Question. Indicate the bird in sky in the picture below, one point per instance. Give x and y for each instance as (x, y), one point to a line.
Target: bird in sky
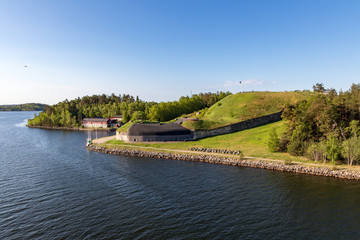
(25, 66)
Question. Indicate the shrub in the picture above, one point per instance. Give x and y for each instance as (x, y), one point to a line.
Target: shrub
(274, 141)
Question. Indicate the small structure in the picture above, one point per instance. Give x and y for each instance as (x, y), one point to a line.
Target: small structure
(118, 118)
(96, 122)
(88, 141)
(148, 132)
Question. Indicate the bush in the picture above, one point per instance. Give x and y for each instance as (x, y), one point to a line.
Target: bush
(201, 124)
(284, 141)
(274, 141)
(296, 148)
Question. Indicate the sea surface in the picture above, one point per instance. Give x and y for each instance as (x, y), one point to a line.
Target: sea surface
(51, 187)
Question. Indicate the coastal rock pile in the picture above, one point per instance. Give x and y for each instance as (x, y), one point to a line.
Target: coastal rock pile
(230, 161)
(211, 150)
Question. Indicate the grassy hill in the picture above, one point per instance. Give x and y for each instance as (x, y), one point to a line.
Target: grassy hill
(243, 106)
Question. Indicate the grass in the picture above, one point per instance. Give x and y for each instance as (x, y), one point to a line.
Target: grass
(127, 125)
(244, 106)
(235, 108)
(252, 142)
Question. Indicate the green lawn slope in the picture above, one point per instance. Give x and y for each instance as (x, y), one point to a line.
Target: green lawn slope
(244, 106)
(125, 127)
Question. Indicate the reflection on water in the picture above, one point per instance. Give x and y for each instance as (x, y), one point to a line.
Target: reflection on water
(52, 187)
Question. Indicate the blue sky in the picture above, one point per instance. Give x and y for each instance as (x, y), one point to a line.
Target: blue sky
(161, 50)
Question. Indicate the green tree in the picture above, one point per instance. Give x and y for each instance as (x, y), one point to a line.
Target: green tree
(273, 143)
(354, 128)
(296, 146)
(333, 147)
(125, 116)
(351, 149)
(319, 87)
(91, 114)
(154, 113)
(313, 152)
(316, 151)
(138, 115)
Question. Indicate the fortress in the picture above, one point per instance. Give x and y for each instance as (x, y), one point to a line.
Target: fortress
(155, 132)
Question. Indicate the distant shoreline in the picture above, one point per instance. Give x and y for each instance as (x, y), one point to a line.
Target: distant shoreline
(23, 107)
(74, 129)
(21, 110)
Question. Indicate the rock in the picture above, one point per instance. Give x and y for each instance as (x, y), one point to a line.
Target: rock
(229, 161)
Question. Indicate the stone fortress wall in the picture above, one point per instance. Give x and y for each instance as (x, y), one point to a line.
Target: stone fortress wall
(236, 127)
(255, 122)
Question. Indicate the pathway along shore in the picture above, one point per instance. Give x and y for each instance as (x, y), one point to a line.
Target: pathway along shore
(234, 161)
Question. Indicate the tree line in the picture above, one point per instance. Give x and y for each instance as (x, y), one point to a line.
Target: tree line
(23, 107)
(324, 127)
(71, 113)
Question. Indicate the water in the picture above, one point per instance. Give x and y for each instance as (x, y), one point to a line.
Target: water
(51, 187)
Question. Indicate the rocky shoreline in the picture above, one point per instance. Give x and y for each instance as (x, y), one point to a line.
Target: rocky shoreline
(215, 150)
(230, 161)
(74, 129)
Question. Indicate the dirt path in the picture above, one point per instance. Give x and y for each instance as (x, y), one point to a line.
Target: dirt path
(103, 140)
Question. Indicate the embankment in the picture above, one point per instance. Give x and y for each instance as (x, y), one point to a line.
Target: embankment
(74, 129)
(230, 161)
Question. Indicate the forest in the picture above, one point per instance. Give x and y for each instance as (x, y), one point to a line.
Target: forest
(23, 107)
(70, 113)
(325, 127)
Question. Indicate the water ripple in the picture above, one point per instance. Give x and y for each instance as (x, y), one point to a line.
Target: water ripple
(52, 188)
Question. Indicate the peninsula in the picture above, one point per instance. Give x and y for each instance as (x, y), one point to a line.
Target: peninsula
(316, 129)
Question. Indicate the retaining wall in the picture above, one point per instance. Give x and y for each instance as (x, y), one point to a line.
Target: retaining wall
(122, 136)
(230, 161)
(255, 122)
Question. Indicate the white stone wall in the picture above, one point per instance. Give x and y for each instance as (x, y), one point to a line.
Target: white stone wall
(122, 136)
